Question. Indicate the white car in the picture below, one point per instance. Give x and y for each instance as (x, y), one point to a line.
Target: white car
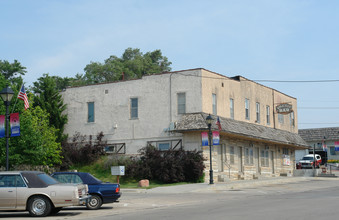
(38, 193)
(307, 161)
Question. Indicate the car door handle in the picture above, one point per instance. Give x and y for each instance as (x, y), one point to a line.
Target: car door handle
(10, 191)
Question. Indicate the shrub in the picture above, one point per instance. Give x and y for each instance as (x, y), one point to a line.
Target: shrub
(82, 151)
(170, 166)
(333, 161)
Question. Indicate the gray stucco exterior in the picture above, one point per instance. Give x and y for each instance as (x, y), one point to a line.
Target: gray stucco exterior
(161, 122)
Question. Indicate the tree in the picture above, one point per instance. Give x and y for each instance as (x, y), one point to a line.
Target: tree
(10, 70)
(49, 99)
(36, 144)
(131, 65)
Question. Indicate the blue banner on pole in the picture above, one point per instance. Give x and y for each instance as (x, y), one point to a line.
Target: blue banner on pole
(15, 124)
(204, 138)
(2, 126)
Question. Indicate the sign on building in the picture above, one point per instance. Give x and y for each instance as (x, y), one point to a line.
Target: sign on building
(284, 108)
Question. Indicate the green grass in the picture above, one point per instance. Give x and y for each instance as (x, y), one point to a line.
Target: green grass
(103, 172)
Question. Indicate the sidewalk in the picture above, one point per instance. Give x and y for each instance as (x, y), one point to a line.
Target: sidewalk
(231, 185)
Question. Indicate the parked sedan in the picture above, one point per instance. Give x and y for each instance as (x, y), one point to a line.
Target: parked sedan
(38, 193)
(101, 192)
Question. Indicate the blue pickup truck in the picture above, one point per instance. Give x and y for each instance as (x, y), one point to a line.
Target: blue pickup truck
(101, 192)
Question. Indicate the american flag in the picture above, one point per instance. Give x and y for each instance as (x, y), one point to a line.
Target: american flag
(23, 96)
(219, 124)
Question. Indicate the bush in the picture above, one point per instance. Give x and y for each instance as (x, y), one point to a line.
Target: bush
(82, 151)
(170, 166)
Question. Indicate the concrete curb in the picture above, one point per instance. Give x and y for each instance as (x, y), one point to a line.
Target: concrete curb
(231, 185)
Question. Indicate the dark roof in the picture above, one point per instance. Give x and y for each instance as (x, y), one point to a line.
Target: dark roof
(196, 122)
(319, 134)
(33, 180)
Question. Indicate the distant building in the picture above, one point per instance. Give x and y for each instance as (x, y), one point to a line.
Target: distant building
(168, 111)
(324, 141)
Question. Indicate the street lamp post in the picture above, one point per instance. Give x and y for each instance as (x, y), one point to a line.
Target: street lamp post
(209, 120)
(6, 95)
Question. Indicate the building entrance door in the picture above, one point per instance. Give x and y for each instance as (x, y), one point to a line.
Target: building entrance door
(241, 168)
(257, 159)
(272, 160)
(221, 152)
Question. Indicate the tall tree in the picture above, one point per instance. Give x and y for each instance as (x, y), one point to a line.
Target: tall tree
(131, 65)
(11, 70)
(49, 99)
(36, 144)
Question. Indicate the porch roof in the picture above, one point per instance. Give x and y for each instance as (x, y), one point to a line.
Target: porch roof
(197, 122)
(320, 134)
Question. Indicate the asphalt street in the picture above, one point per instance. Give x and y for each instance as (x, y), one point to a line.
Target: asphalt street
(276, 198)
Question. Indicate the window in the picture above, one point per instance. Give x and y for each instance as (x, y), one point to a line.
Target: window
(164, 146)
(281, 118)
(268, 121)
(247, 109)
(119, 148)
(90, 106)
(264, 158)
(332, 150)
(181, 103)
(285, 151)
(286, 157)
(68, 178)
(257, 110)
(232, 108)
(231, 155)
(134, 108)
(292, 119)
(214, 104)
(11, 181)
(249, 156)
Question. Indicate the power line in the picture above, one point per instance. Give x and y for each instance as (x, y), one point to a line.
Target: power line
(264, 80)
(320, 123)
(298, 81)
(318, 107)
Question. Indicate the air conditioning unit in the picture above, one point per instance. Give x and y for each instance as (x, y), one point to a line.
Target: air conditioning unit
(172, 126)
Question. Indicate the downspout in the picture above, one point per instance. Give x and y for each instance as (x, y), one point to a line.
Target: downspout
(273, 109)
(170, 96)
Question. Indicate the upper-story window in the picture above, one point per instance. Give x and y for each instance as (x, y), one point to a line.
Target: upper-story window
(181, 103)
(134, 108)
(292, 119)
(268, 120)
(90, 115)
(247, 109)
(257, 111)
(214, 104)
(281, 118)
(232, 108)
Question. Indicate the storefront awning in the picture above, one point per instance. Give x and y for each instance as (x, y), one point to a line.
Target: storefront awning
(196, 122)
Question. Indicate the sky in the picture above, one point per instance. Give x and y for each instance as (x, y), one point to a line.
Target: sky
(295, 42)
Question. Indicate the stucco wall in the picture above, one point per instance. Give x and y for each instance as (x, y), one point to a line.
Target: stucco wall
(157, 105)
(226, 88)
(156, 108)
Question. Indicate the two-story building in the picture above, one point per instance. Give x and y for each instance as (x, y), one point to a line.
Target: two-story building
(168, 110)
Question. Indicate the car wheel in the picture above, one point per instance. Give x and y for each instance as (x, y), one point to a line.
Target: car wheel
(55, 210)
(95, 202)
(39, 206)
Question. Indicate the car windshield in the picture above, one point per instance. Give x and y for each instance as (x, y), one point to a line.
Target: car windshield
(308, 158)
(47, 179)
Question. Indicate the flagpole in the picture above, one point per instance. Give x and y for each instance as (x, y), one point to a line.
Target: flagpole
(17, 98)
